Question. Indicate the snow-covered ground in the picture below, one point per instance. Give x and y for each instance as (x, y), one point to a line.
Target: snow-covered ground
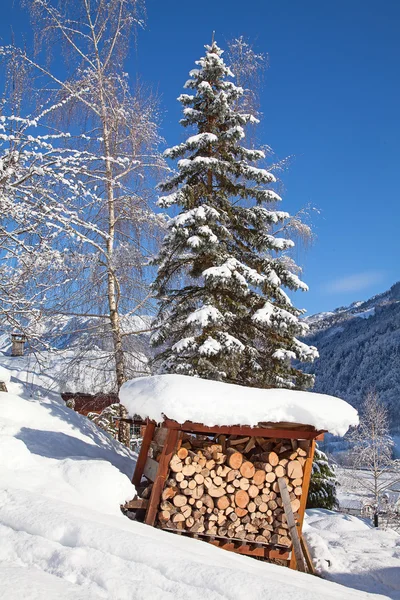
(348, 550)
(63, 536)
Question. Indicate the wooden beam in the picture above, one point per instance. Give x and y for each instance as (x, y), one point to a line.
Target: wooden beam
(163, 466)
(297, 550)
(244, 430)
(144, 451)
(251, 550)
(306, 483)
(304, 494)
(307, 555)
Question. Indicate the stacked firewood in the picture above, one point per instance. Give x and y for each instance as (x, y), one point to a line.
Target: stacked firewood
(229, 488)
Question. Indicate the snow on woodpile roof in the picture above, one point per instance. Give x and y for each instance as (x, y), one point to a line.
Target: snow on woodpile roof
(214, 403)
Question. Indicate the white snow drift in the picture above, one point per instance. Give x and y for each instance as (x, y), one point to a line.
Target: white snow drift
(184, 398)
(63, 537)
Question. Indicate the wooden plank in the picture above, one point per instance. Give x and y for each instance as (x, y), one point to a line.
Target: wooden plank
(136, 504)
(296, 433)
(250, 550)
(301, 565)
(306, 483)
(150, 469)
(168, 449)
(304, 495)
(233, 544)
(144, 451)
(307, 555)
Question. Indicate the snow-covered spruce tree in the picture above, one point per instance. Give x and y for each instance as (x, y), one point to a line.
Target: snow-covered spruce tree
(322, 492)
(223, 314)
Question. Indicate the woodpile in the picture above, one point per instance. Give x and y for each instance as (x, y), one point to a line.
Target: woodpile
(228, 487)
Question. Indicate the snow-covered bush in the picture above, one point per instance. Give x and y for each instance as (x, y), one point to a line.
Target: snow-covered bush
(322, 491)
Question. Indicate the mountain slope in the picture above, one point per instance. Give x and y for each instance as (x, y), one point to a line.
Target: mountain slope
(359, 350)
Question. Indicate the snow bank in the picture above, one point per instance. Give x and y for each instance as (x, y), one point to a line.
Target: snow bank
(63, 536)
(38, 436)
(349, 551)
(184, 398)
(5, 375)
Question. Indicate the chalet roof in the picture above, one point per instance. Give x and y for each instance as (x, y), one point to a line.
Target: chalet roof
(213, 403)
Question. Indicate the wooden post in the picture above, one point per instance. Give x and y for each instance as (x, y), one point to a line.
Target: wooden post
(168, 450)
(144, 451)
(297, 551)
(304, 494)
(307, 555)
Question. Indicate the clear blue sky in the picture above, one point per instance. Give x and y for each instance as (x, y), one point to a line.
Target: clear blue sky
(331, 98)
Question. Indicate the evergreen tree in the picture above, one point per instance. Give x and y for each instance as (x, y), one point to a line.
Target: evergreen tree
(223, 314)
(322, 492)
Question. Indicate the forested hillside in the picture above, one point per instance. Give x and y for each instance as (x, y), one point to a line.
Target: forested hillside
(359, 350)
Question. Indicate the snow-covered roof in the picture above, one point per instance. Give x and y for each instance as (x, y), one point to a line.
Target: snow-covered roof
(214, 403)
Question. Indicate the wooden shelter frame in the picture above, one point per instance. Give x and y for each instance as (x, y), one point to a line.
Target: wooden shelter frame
(173, 439)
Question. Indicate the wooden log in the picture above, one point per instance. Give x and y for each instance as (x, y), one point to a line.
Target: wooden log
(169, 492)
(280, 471)
(270, 477)
(178, 518)
(182, 453)
(233, 474)
(273, 459)
(241, 512)
(253, 491)
(223, 470)
(259, 477)
(244, 484)
(250, 445)
(247, 469)
(239, 441)
(198, 492)
(216, 492)
(208, 501)
(234, 458)
(294, 470)
(188, 470)
(176, 464)
(241, 498)
(223, 502)
(179, 500)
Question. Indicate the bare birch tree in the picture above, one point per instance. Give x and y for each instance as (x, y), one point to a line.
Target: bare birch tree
(372, 452)
(115, 130)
